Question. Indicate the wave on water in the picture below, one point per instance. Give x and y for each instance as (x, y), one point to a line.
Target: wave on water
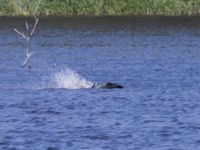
(70, 79)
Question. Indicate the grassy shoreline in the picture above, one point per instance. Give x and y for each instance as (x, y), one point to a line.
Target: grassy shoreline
(101, 7)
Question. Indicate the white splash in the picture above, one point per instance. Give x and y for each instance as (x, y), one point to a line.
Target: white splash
(69, 79)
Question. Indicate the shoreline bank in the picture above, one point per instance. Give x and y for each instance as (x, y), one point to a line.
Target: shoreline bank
(101, 8)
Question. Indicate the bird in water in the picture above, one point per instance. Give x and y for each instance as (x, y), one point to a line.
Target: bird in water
(107, 85)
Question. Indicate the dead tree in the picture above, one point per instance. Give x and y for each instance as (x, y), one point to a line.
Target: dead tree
(27, 36)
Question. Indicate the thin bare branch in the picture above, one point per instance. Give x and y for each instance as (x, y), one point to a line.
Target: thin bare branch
(35, 25)
(25, 63)
(36, 9)
(36, 19)
(27, 36)
(22, 34)
(28, 46)
(27, 27)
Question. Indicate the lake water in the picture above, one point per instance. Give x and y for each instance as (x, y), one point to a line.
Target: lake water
(50, 106)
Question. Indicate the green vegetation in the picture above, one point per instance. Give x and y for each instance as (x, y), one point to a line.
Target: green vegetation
(100, 7)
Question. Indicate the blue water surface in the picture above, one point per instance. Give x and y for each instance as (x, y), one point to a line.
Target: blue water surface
(157, 60)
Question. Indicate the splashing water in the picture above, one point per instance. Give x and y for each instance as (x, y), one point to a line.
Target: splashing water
(69, 79)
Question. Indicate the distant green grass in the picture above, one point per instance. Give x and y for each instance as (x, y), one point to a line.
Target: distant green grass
(100, 7)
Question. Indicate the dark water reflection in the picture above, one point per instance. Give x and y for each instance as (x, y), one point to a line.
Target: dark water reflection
(156, 59)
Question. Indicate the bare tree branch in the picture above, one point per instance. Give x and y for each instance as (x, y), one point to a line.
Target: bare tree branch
(36, 9)
(22, 34)
(36, 19)
(26, 59)
(27, 27)
(28, 46)
(28, 36)
(35, 25)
